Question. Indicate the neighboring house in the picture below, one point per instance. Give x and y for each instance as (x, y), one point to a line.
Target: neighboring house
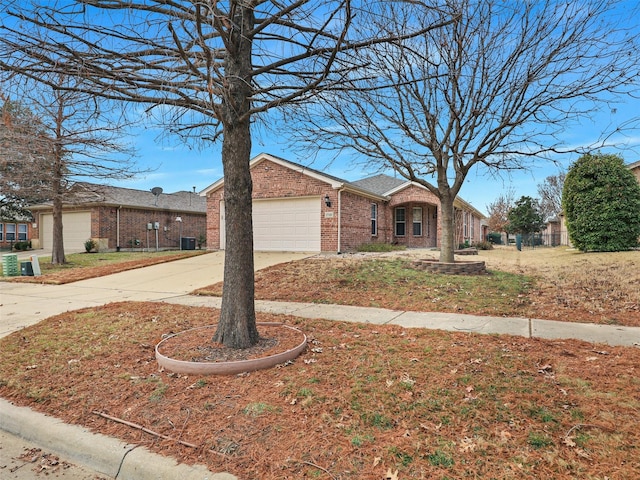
(553, 234)
(123, 218)
(635, 169)
(296, 208)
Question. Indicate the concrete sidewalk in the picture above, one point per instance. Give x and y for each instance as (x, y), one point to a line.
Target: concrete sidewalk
(524, 327)
(25, 304)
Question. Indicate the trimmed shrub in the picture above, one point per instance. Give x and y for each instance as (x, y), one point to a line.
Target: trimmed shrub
(26, 245)
(601, 202)
(483, 245)
(495, 238)
(90, 245)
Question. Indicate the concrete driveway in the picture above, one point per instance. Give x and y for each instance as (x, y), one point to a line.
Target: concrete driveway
(23, 304)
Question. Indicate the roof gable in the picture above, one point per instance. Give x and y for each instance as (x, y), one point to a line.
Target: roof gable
(335, 182)
(379, 187)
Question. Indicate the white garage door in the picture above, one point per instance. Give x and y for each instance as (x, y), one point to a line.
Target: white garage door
(76, 229)
(284, 225)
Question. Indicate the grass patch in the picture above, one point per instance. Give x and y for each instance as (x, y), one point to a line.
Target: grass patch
(391, 283)
(158, 394)
(440, 459)
(257, 408)
(539, 440)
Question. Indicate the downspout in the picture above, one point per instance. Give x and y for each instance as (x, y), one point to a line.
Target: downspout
(118, 229)
(340, 219)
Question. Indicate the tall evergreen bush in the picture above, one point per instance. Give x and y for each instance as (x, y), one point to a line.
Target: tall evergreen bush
(601, 202)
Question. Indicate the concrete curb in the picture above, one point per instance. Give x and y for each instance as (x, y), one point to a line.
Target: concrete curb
(100, 453)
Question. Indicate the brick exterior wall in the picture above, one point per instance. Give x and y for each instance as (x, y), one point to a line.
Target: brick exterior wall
(274, 181)
(356, 222)
(213, 219)
(133, 226)
(6, 244)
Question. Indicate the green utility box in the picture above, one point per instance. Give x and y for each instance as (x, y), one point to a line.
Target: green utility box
(10, 266)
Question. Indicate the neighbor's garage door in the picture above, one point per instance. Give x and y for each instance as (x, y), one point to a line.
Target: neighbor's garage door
(286, 225)
(76, 229)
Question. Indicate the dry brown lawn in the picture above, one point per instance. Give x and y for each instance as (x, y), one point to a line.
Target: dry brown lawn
(547, 283)
(362, 402)
(601, 287)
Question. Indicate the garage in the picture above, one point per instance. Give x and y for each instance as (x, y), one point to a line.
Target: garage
(76, 229)
(285, 225)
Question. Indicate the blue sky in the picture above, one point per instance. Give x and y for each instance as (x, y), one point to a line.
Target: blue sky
(178, 167)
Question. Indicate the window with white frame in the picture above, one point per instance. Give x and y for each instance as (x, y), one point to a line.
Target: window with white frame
(11, 232)
(400, 222)
(417, 221)
(465, 224)
(374, 219)
(22, 232)
(1, 232)
(473, 230)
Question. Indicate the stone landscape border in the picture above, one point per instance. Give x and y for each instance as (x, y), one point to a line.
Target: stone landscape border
(448, 268)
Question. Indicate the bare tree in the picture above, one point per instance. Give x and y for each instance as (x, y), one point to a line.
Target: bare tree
(214, 67)
(495, 89)
(69, 137)
(550, 192)
(23, 148)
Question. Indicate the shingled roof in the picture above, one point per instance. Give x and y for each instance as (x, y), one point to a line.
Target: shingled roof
(379, 184)
(88, 194)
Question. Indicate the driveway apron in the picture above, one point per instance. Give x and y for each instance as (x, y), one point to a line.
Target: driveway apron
(23, 304)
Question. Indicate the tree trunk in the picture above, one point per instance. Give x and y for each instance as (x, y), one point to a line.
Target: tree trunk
(57, 244)
(447, 244)
(237, 325)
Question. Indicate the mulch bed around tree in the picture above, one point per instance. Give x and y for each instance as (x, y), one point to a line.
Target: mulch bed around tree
(195, 345)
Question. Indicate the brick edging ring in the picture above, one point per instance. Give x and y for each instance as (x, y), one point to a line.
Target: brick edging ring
(448, 268)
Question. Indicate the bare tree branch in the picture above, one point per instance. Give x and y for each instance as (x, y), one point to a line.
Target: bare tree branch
(497, 87)
(56, 138)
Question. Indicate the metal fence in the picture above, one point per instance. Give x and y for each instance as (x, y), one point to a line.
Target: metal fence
(537, 240)
(533, 240)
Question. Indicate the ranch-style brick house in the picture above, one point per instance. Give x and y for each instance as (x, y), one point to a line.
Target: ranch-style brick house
(296, 208)
(122, 219)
